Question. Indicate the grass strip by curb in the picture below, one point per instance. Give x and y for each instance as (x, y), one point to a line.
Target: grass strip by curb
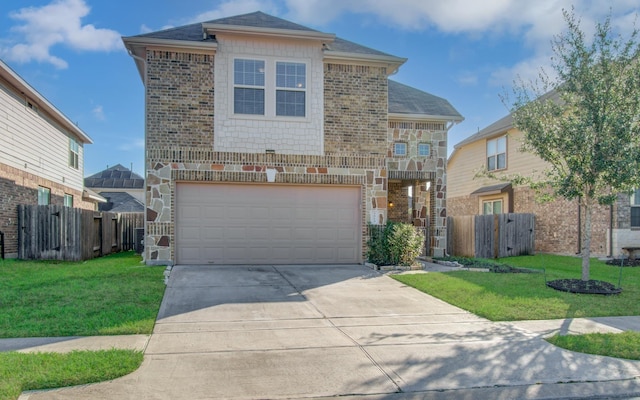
(33, 371)
(619, 345)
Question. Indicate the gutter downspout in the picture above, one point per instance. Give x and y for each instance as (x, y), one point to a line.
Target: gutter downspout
(144, 63)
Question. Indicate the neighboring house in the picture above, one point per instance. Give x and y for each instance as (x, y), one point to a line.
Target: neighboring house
(496, 148)
(269, 142)
(41, 155)
(122, 188)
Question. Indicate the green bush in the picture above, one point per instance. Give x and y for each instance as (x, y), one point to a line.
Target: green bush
(395, 244)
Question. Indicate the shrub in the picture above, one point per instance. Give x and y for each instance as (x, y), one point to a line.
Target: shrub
(395, 244)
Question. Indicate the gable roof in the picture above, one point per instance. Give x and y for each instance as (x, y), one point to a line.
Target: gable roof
(120, 202)
(116, 177)
(202, 35)
(499, 127)
(503, 124)
(15, 80)
(407, 100)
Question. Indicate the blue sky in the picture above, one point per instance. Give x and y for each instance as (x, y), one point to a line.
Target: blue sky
(467, 51)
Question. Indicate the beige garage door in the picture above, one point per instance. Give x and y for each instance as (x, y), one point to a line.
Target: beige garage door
(267, 224)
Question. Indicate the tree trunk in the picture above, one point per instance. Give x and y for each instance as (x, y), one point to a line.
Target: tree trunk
(586, 238)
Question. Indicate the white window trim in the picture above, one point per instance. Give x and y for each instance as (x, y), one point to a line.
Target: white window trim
(493, 201)
(495, 139)
(269, 88)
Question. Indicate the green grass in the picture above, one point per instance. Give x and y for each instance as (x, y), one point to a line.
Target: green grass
(620, 345)
(511, 297)
(110, 295)
(19, 372)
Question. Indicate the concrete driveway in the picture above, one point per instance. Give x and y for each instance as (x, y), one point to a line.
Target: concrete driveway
(244, 332)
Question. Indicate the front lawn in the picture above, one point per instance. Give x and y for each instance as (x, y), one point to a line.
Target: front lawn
(110, 295)
(19, 372)
(511, 297)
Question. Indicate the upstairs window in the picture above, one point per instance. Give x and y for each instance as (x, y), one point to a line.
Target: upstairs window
(74, 151)
(270, 88)
(44, 196)
(399, 149)
(635, 209)
(291, 86)
(497, 153)
(249, 86)
(424, 149)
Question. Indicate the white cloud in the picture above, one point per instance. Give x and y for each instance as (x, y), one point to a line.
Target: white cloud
(236, 7)
(98, 112)
(534, 22)
(467, 79)
(59, 22)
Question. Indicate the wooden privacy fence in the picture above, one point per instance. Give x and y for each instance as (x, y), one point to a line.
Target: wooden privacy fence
(491, 236)
(64, 233)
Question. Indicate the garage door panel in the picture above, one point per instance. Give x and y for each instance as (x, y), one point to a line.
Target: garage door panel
(255, 224)
(212, 233)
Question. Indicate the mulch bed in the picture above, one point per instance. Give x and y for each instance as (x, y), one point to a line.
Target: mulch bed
(586, 287)
(625, 262)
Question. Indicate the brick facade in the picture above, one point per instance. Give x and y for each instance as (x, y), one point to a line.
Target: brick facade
(20, 187)
(355, 111)
(180, 144)
(556, 221)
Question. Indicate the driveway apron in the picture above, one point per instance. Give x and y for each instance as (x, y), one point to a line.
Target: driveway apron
(310, 331)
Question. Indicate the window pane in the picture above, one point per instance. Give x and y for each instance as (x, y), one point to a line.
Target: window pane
(400, 149)
(502, 161)
(248, 72)
(487, 208)
(68, 200)
(635, 217)
(635, 198)
(424, 149)
(497, 207)
(290, 103)
(44, 196)
(248, 101)
(502, 144)
(291, 75)
(491, 163)
(491, 148)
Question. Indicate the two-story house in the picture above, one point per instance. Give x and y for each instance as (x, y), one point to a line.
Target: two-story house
(41, 156)
(557, 223)
(270, 142)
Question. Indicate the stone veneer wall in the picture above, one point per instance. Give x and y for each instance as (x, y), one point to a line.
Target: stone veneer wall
(20, 187)
(429, 204)
(556, 221)
(180, 141)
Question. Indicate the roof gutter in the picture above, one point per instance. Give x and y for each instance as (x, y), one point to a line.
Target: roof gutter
(392, 62)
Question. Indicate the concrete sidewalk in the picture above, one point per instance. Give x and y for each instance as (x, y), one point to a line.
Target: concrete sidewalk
(323, 331)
